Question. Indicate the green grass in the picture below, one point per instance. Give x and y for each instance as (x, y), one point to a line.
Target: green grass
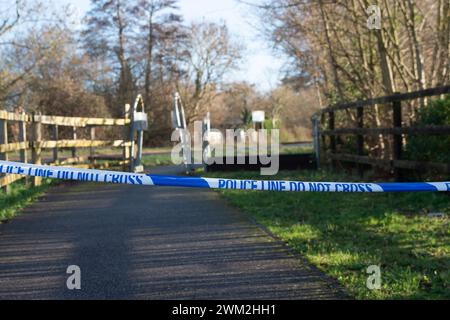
(295, 150)
(343, 234)
(20, 196)
(156, 160)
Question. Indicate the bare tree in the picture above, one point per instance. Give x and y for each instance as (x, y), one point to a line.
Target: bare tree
(21, 51)
(402, 55)
(409, 50)
(107, 33)
(211, 54)
(159, 26)
(8, 21)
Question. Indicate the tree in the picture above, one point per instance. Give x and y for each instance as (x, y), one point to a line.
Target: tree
(27, 16)
(159, 28)
(211, 54)
(246, 117)
(158, 36)
(331, 41)
(7, 20)
(107, 34)
(357, 62)
(55, 84)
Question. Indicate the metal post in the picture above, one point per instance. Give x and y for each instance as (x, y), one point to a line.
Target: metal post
(131, 138)
(206, 151)
(36, 141)
(140, 124)
(4, 140)
(23, 138)
(182, 126)
(126, 133)
(140, 142)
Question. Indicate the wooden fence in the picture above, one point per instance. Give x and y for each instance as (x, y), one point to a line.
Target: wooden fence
(30, 146)
(327, 136)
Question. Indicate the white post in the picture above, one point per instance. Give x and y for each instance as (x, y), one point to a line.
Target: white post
(206, 150)
(180, 122)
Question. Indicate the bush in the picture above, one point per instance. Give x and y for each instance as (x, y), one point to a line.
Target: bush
(435, 148)
(269, 125)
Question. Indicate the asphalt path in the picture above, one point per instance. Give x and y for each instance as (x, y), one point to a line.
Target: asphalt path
(134, 242)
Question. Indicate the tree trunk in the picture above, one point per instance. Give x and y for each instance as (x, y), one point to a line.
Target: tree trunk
(331, 56)
(148, 64)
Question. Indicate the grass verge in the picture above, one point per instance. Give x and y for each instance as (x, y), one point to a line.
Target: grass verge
(156, 160)
(296, 150)
(20, 196)
(344, 234)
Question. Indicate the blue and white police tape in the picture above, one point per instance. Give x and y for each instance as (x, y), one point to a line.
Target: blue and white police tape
(101, 176)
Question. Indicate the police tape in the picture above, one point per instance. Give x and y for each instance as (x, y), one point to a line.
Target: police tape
(101, 176)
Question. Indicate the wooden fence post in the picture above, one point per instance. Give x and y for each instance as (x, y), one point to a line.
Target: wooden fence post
(36, 148)
(92, 149)
(126, 137)
(360, 138)
(398, 140)
(323, 138)
(4, 140)
(331, 126)
(74, 137)
(56, 138)
(316, 137)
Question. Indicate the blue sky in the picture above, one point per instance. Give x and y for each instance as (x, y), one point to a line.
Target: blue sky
(260, 65)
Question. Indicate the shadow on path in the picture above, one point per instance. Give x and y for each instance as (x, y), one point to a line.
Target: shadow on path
(147, 243)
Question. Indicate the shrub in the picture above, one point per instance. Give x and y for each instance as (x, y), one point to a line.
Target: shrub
(434, 148)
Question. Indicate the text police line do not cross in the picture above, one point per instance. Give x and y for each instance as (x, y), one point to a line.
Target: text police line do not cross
(100, 176)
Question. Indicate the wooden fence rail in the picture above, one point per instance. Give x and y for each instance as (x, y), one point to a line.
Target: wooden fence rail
(327, 136)
(35, 144)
